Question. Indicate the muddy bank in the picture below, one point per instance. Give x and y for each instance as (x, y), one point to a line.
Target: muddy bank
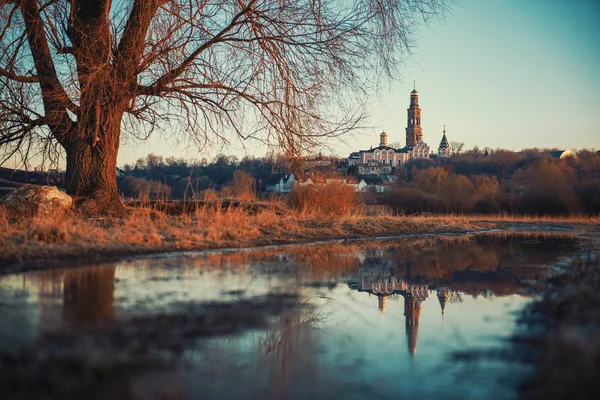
(564, 343)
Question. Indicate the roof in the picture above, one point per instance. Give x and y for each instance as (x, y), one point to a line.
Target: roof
(402, 150)
(414, 91)
(444, 143)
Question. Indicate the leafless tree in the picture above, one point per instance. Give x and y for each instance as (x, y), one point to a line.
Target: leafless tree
(78, 75)
(457, 147)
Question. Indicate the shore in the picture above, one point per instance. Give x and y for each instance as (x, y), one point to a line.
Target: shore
(563, 342)
(65, 238)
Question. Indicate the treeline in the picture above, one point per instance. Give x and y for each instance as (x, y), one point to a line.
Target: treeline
(530, 182)
(158, 177)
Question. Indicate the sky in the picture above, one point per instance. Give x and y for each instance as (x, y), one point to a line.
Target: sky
(498, 73)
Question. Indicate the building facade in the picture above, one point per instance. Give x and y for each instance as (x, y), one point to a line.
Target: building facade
(383, 158)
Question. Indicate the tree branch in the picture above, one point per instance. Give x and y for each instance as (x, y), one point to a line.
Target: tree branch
(171, 75)
(131, 46)
(18, 78)
(55, 99)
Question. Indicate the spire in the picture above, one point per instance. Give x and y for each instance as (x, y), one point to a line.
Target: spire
(444, 147)
(414, 85)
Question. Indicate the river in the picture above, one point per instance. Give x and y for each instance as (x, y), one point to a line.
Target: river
(387, 319)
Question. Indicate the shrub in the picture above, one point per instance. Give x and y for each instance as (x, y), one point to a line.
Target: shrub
(208, 195)
(325, 200)
(242, 186)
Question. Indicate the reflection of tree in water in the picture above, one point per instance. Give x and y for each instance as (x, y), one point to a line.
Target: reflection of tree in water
(263, 364)
(289, 350)
(88, 295)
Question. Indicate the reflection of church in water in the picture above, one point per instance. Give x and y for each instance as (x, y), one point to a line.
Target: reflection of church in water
(379, 281)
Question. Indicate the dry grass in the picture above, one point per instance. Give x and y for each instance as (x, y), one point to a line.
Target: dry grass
(326, 200)
(42, 240)
(575, 218)
(47, 239)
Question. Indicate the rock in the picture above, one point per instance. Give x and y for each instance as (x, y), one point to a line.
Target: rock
(40, 198)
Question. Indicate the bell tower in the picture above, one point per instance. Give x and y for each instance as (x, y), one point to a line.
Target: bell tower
(414, 133)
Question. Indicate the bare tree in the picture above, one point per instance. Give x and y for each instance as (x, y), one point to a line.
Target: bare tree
(78, 75)
(457, 147)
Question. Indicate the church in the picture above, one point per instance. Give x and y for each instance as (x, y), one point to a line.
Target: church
(376, 158)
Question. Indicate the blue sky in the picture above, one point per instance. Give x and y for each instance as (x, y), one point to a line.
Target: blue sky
(498, 73)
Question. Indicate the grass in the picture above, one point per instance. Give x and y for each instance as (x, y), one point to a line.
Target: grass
(575, 218)
(46, 238)
(43, 239)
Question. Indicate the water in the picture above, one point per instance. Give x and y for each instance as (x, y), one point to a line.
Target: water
(384, 319)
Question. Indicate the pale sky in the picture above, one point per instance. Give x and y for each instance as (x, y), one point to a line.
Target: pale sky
(499, 73)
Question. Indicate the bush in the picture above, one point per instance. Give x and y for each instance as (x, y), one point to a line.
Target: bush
(325, 200)
(242, 186)
(208, 195)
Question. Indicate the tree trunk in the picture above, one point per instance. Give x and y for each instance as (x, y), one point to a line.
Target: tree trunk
(92, 163)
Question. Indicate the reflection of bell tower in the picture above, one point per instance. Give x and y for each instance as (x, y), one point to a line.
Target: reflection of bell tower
(382, 301)
(412, 312)
(414, 133)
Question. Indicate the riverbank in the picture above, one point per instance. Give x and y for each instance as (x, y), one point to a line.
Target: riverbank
(64, 238)
(564, 331)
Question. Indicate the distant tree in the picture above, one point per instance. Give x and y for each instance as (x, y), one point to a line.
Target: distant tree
(544, 188)
(458, 191)
(429, 180)
(171, 161)
(485, 186)
(140, 164)
(153, 161)
(457, 147)
(486, 193)
(143, 189)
